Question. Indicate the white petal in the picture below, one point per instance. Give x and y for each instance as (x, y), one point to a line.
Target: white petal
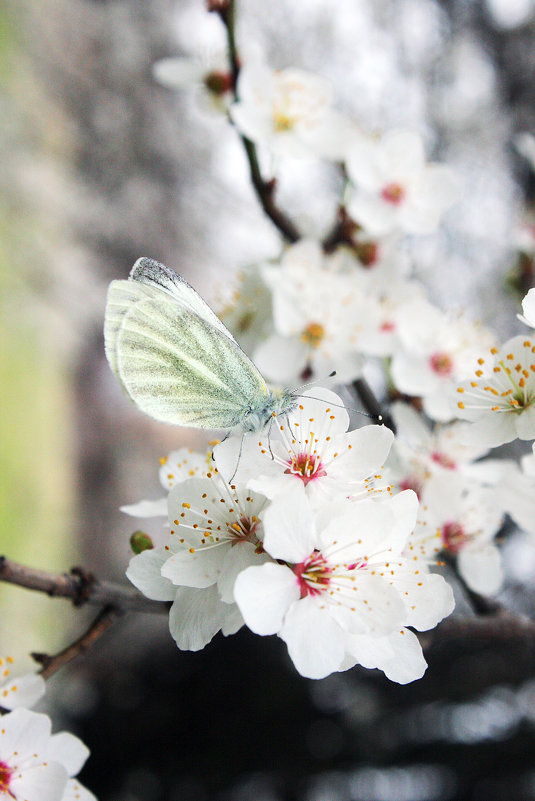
(281, 358)
(24, 732)
(195, 617)
(199, 569)
(238, 558)
(144, 571)
(233, 620)
(398, 655)
(428, 598)
(528, 307)
(315, 641)
(77, 792)
(156, 508)
(264, 595)
(370, 447)
(289, 527)
(22, 691)
(68, 750)
(481, 568)
(43, 783)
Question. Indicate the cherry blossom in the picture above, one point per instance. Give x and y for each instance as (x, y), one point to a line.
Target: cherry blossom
(437, 351)
(290, 111)
(36, 765)
(16, 688)
(314, 451)
(464, 523)
(215, 532)
(394, 187)
(339, 574)
(501, 399)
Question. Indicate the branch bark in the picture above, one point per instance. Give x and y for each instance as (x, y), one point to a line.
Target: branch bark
(265, 190)
(80, 587)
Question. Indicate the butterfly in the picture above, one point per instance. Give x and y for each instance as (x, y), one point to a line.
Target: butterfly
(176, 359)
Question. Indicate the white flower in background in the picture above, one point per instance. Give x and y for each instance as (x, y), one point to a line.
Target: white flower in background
(313, 451)
(318, 317)
(17, 688)
(380, 337)
(216, 532)
(517, 493)
(501, 399)
(210, 76)
(289, 111)
(36, 765)
(421, 452)
(395, 190)
(248, 313)
(180, 465)
(343, 577)
(528, 307)
(467, 520)
(437, 351)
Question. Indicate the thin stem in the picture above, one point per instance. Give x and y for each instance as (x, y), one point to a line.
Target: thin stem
(265, 190)
(51, 664)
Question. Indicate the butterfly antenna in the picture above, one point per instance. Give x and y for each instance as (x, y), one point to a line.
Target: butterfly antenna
(378, 417)
(317, 381)
(231, 479)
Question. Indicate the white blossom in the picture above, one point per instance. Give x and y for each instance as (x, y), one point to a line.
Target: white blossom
(314, 451)
(501, 399)
(210, 77)
(528, 307)
(17, 688)
(395, 190)
(437, 351)
(289, 111)
(36, 765)
(339, 575)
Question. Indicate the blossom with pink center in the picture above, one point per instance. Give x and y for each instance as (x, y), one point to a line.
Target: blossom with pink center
(394, 187)
(463, 521)
(313, 450)
(435, 351)
(36, 765)
(421, 452)
(339, 574)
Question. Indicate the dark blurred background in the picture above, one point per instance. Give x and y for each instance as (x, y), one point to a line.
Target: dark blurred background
(100, 166)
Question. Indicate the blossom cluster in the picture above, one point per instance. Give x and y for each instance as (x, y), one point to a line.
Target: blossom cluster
(296, 532)
(35, 765)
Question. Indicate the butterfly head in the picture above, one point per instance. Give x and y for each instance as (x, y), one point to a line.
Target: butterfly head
(277, 402)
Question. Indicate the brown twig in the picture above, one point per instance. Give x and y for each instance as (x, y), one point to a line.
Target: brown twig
(503, 626)
(371, 404)
(80, 587)
(265, 190)
(51, 664)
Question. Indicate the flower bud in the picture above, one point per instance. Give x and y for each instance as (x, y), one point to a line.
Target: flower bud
(140, 541)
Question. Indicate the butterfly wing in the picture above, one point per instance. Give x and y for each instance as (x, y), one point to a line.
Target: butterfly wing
(150, 279)
(177, 365)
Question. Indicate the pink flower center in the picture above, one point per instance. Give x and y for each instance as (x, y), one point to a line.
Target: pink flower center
(394, 193)
(313, 575)
(388, 326)
(218, 82)
(5, 779)
(411, 483)
(454, 537)
(443, 460)
(441, 363)
(244, 530)
(306, 466)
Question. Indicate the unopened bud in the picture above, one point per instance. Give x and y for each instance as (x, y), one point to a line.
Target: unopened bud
(140, 541)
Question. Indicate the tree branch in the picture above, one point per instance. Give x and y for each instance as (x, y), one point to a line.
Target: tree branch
(371, 404)
(265, 190)
(80, 587)
(101, 624)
